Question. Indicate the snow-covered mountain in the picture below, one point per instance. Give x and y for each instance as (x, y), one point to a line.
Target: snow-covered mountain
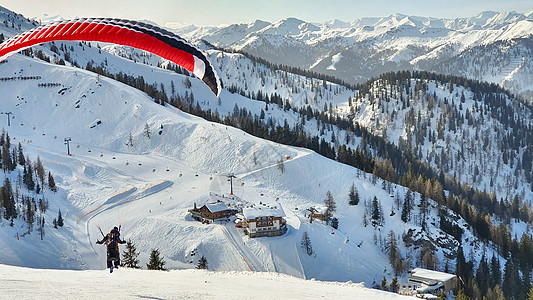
(149, 185)
(491, 46)
(117, 174)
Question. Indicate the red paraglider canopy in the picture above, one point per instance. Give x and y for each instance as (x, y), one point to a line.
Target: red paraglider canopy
(123, 32)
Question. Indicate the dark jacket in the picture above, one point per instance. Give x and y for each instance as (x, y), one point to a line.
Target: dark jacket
(112, 240)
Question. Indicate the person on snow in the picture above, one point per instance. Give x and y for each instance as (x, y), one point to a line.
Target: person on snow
(112, 240)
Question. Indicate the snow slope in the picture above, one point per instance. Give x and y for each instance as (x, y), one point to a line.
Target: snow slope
(25, 283)
(148, 187)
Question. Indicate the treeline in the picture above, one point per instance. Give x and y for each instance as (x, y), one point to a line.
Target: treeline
(375, 155)
(489, 281)
(34, 178)
(285, 68)
(517, 136)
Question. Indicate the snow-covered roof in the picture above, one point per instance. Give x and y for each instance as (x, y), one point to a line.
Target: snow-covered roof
(263, 210)
(430, 274)
(216, 207)
(320, 209)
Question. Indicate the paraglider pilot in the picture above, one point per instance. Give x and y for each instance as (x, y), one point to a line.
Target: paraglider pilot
(112, 240)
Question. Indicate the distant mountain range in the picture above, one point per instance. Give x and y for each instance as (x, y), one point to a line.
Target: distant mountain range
(491, 46)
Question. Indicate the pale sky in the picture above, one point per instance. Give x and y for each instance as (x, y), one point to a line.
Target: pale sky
(216, 12)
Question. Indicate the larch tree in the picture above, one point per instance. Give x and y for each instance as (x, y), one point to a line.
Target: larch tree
(330, 204)
(306, 243)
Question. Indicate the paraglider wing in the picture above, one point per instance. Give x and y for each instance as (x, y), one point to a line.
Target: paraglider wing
(123, 32)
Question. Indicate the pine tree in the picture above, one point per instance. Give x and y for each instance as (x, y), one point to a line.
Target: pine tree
(394, 286)
(8, 200)
(30, 214)
(7, 162)
(28, 175)
(306, 244)
(156, 262)
(495, 272)
(334, 223)
(376, 212)
(482, 275)
(41, 227)
(384, 284)
(22, 159)
(202, 263)
(511, 284)
(406, 208)
(130, 256)
(353, 195)
(423, 210)
(59, 219)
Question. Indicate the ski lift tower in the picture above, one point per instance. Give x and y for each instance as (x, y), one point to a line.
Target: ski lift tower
(67, 142)
(8, 117)
(231, 176)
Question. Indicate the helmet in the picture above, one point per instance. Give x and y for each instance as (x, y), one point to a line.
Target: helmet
(115, 229)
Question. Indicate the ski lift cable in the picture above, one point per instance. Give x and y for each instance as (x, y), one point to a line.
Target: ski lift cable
(124, 213)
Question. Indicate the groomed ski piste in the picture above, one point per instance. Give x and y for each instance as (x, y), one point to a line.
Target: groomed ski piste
(146, 185)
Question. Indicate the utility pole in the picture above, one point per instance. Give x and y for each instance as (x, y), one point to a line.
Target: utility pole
(8, 117)
(67, 142)
(231, 176)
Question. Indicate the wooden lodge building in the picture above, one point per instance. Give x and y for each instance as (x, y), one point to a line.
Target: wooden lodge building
(318, 212)
(429, 281)
(264, 220)
(210, 212)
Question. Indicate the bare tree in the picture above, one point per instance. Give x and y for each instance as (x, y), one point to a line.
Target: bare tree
(306, 244)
